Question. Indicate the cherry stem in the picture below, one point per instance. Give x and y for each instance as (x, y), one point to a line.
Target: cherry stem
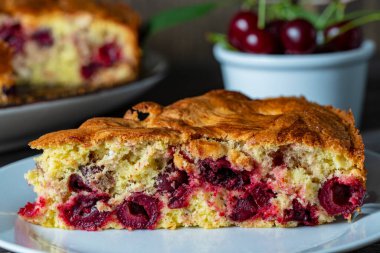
(335, 8)
(360, 22)
(356, 23)
(340, 10)
(358, 14)
(262, 12)
(326, 14)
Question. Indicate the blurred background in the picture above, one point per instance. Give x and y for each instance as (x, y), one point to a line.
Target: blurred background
(193, 69)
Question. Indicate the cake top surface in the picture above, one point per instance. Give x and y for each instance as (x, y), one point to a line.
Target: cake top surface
(113, 10)
(222, 115)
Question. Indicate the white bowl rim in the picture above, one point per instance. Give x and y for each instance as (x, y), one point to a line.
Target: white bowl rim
(323, 60)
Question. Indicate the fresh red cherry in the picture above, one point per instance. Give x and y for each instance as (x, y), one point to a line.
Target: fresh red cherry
(342, 42)
(240, 25)
(299, 37)
(274, 28)
(259, 42)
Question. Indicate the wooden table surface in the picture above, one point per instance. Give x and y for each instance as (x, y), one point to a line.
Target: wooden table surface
(183, 82)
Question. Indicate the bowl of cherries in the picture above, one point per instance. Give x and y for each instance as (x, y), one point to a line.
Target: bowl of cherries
(285, 49)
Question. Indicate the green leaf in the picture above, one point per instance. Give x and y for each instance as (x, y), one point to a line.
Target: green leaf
(221, 39)
(286, 10)
(179, 15)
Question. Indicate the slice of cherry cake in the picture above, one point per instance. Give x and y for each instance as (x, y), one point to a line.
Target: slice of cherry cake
(216, 160)
(71, 43)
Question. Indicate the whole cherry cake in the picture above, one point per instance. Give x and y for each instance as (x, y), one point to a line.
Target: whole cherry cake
(217, 160)
(70, 43)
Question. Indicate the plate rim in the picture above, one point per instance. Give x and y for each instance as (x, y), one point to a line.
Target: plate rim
(343, 248)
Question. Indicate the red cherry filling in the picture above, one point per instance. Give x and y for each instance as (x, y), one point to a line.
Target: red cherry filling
(76, 184)
(8, 90)
(299, 37)
(251, 203)
(220, 173)
(43, 38)
(13, 35)
(89, 70)
(240, 25)
(180, 197)
(303, 215)
(139, 211)
(277, 158)
(341, 42)
(31, 210)
(341, 194)
(108, 54)
(262, 195)
(81, 212)
(243, 208)
(341, 198)
(171, 179)
(176, 183)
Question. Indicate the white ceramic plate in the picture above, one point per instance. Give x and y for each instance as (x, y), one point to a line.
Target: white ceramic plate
(20, 124)
(19, 236)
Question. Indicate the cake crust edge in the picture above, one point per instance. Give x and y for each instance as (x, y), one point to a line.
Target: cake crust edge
(277, 121)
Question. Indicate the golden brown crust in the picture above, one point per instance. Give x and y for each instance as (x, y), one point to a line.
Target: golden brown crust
(113, 10)
(6, 69)
(224, 115)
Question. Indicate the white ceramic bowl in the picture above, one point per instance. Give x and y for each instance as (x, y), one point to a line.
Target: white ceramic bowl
(337, 79)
